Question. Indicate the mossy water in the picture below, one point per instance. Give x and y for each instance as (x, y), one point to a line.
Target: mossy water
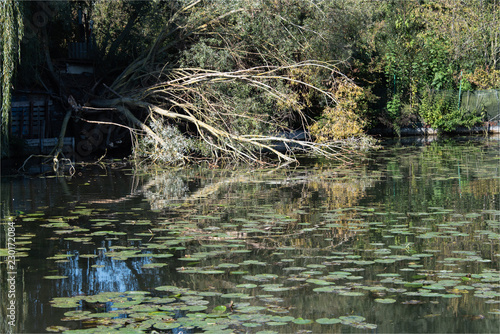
(405, 240)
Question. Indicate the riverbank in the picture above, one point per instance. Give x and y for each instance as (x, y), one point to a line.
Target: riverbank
(407, 136)
(488, 128)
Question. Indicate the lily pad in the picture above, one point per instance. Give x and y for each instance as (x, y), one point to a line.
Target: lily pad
(385, 300)
(328, 321)
(55, 277)
(300, 321)
(166, 325)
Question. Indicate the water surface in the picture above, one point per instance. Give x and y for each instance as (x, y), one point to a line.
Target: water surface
(405, 240)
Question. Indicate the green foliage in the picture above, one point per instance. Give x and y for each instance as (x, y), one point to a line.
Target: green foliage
(208, 53)
(394, 107)
(471, 30)
(394, 110)
(11, 32)
(484, 78)
(124, 29)
(277, 33)
(415, 54)
(241, 109)
(426, 45)
(440, 110)
(377, 40)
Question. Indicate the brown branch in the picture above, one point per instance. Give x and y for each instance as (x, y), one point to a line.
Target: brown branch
(140, 124)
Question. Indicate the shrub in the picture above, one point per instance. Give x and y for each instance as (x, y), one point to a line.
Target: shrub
(176, 148)
(440, 110)
(342, 120)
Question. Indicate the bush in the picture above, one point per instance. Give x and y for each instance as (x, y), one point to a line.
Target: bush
(343, 120)
(176, 148)
(440, 110)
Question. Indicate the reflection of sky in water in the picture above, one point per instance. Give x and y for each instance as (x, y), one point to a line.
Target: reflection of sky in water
(114, 275)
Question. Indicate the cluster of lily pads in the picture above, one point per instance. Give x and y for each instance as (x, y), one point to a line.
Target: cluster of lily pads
(179, 308)
(245, 251)
(392, 270)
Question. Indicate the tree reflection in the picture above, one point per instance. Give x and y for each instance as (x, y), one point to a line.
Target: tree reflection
(424, 211)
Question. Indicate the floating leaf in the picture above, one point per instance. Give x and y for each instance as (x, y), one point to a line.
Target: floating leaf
(166, 325)
(328, 321)
(211, 272)
(250, 309)
(352, 293)
(56, 329)
(251, 324)
(434, 287)
(55, 277)
(247, 286)
(319, 281)
(276, 323)
(219, 309)
(349, 319)
(300, 321)
(385, 300)
(153, 265)
(329, 289)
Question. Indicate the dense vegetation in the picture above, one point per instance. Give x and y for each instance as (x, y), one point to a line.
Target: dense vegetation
(222, 79)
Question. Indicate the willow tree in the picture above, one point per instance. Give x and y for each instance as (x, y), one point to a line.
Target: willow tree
(11, 32)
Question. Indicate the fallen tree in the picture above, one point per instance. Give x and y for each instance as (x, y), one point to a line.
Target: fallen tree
(175, 100)
(178, 113)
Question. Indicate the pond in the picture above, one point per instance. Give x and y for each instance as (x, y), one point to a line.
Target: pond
(404, 240)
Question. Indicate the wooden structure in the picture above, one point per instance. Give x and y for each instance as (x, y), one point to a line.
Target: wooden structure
(35, 120)
(30, 116)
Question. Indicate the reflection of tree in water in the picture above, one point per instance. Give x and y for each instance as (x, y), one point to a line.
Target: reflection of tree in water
(163, 188)
(465, 168)
(335, 189)
(106, 275)
(301, 195)
(277, 202)
(481, 188)
(285, 189)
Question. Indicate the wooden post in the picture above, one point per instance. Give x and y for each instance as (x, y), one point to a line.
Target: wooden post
(21, 123)
(460, 90)
(30, 125)
(47, 118)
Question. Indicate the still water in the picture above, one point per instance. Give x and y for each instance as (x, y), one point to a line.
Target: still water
(404, 240)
